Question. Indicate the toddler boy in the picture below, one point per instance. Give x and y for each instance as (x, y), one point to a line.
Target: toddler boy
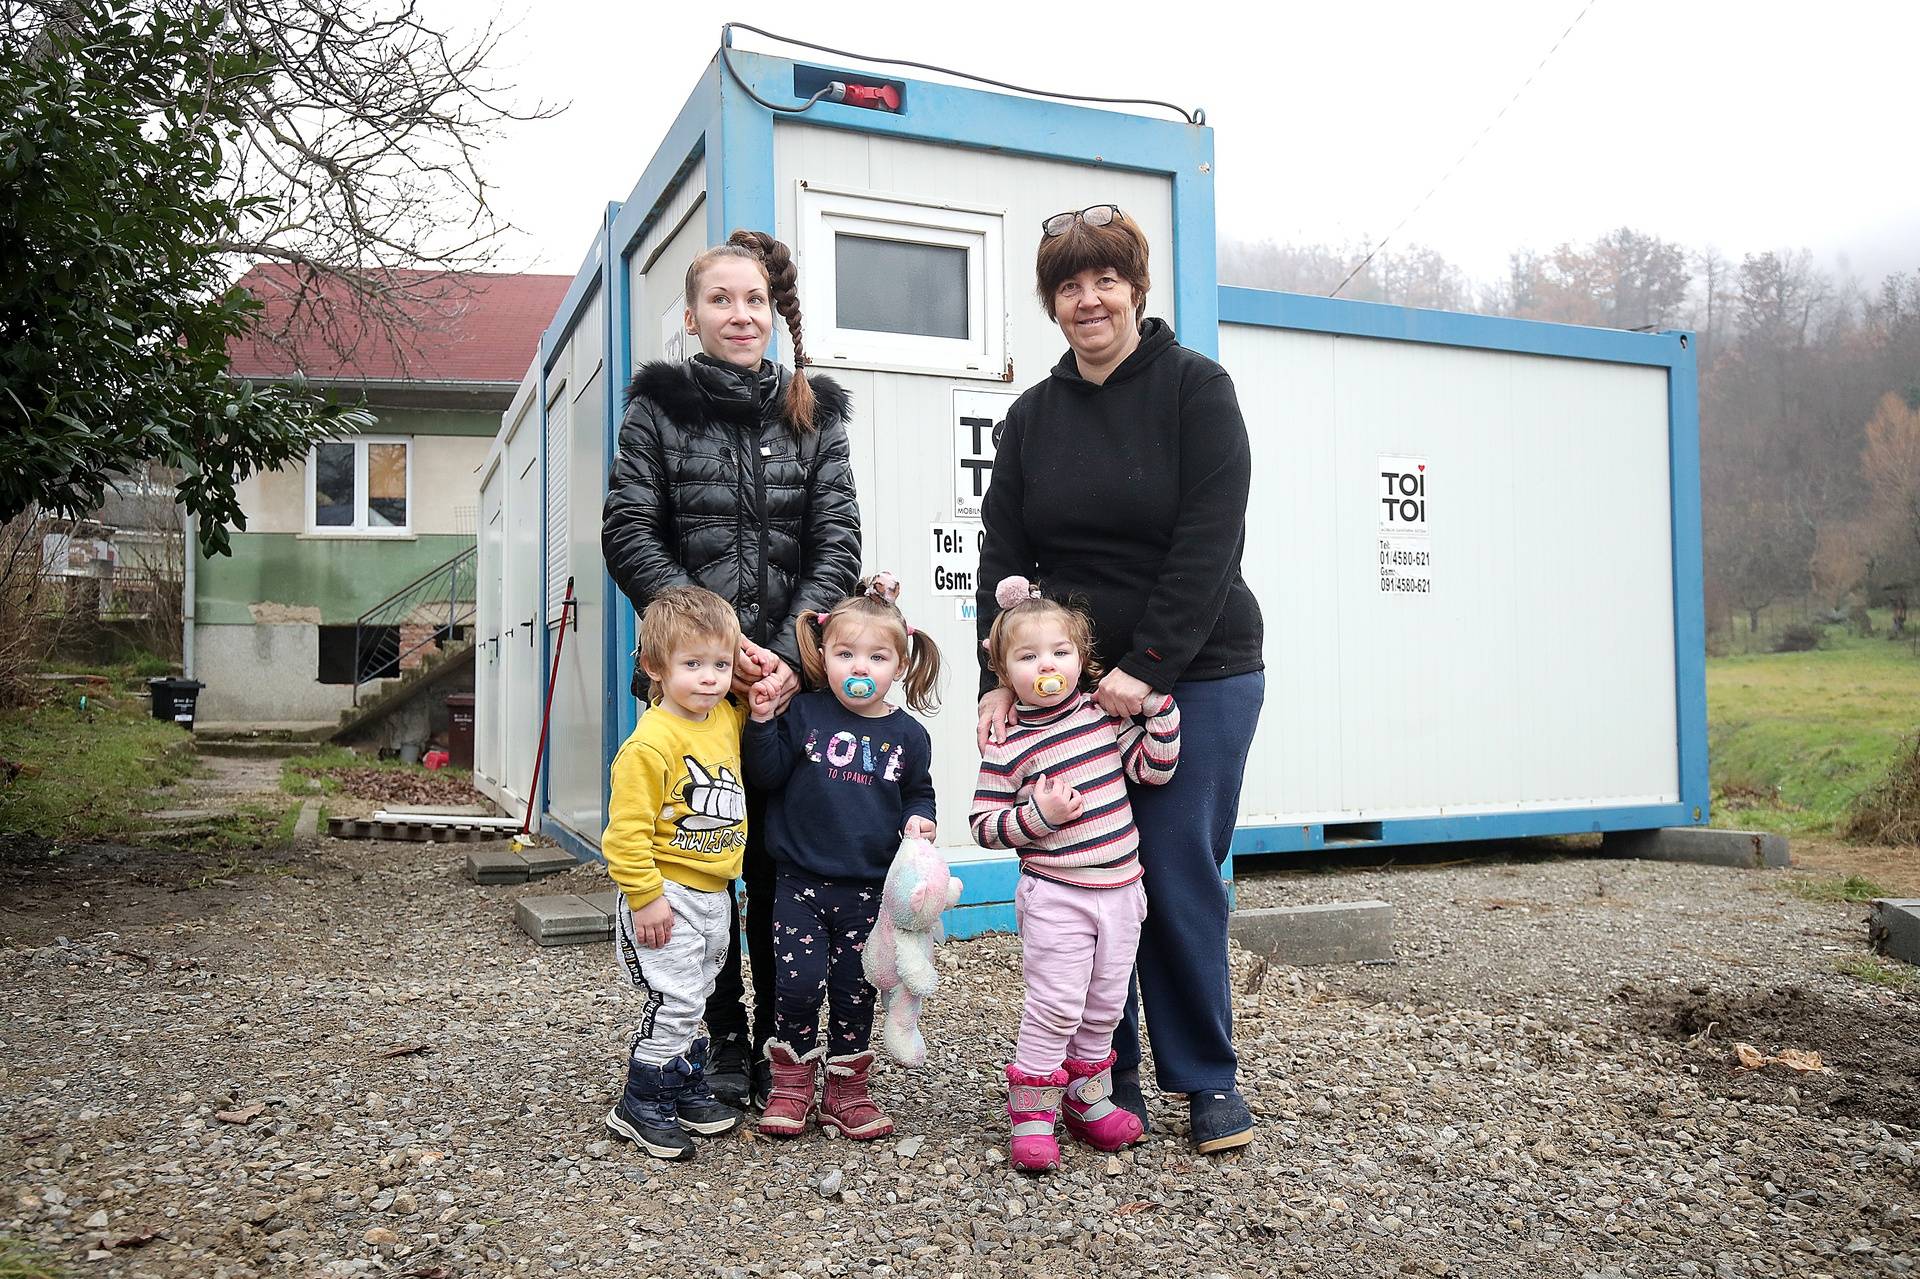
(676, 830)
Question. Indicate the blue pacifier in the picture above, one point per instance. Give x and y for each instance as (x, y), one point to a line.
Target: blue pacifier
(1050, 685)
(859, 687)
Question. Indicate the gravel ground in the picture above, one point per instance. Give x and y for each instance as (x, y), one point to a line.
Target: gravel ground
(351, 1063)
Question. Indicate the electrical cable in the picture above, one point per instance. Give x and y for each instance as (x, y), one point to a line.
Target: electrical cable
(1421, 202)
(1196, 116)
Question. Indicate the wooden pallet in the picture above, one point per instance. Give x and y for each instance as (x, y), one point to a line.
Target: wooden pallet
(451, 831)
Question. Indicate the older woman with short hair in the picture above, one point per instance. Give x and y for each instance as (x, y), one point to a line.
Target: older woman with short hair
(1120, 483)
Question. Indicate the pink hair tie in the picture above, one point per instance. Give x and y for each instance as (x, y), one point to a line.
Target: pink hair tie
(883, 588)
(909, 630)
(820, 619)
(1014, 590)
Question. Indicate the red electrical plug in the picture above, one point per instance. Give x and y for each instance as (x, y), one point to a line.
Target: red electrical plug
(874, 97)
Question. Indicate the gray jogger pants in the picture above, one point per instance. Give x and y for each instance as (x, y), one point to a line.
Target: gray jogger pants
(675, 979)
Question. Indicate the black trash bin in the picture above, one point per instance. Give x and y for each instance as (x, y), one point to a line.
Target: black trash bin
(460, 730)
(174, 699)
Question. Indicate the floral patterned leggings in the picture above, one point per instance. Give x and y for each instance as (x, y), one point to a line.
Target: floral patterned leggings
(820, 927)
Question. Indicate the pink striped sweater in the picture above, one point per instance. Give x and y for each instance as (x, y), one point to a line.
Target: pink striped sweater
(1097, 754)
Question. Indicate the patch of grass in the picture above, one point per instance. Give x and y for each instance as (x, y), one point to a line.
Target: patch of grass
(87, 775)
(1847, 888)
(1876, 971)
(316, 772)
(247, 826)
(137, 667)
(21, 1260)
(1794, 738)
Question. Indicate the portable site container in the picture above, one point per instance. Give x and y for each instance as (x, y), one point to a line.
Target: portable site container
(1475, 540)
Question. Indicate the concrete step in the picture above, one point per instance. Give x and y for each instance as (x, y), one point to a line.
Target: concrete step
(505, 866)
(1329, 933)
(568, 919)
(242, 749)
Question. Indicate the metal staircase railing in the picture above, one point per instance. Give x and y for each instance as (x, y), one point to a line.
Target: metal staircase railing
(439, 601)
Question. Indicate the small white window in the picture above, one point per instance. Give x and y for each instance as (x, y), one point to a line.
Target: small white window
(894, 284)
(361, 487)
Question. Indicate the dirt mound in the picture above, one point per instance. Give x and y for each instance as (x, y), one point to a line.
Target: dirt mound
(1872, 1049)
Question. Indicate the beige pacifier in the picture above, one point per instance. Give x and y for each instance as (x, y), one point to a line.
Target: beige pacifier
(1050, 685)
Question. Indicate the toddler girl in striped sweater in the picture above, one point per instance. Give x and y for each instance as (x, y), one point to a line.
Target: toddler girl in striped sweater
(1056, 793)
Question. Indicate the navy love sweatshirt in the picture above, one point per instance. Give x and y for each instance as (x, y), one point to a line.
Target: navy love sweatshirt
(1129, 497)
(842, 785)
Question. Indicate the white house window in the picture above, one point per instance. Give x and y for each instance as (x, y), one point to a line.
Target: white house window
(360, 486)
(897, 284)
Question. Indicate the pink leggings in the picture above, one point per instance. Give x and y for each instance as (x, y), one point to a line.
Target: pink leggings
(1076, 947)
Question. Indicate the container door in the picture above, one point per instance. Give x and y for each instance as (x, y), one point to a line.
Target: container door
(520, 635)
(487, 683)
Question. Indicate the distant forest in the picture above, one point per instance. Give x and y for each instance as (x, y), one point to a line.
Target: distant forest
(1809, 393)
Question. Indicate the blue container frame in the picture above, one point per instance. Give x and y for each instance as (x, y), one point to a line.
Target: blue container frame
(729, 139)
(1672, 350)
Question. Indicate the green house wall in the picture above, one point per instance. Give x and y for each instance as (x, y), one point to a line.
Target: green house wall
(342, 577)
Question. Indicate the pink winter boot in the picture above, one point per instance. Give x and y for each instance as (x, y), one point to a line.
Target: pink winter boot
(1032, 1102)
(791, 1105)
(1090, 1113)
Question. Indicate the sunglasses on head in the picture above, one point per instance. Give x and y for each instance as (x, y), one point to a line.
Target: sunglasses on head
(1092, 215)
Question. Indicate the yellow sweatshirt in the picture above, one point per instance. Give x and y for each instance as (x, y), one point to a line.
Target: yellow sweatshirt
(678, 811)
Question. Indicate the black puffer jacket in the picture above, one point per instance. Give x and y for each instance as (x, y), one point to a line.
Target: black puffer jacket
(713, 487)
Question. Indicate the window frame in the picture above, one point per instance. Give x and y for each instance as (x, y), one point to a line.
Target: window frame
(826, 212)
(360, 527)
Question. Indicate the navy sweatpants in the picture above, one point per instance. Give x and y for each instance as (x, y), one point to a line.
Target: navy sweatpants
(820, 928)
(1186, 832)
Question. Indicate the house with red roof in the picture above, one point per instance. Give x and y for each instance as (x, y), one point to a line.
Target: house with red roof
(279, 630)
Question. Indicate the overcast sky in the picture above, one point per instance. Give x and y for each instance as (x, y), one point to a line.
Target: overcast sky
(1746, 126)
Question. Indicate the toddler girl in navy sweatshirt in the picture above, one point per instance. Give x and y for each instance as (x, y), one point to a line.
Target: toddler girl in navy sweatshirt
(848, 776)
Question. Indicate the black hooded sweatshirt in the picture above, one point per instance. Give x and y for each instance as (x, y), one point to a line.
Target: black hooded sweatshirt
(1129, 497)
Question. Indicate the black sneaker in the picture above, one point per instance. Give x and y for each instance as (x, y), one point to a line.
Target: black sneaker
(699, 1111)
(644, 1115)
(1220, 1121)
(762, 1083)
(727, 1071)
(1126, 1094)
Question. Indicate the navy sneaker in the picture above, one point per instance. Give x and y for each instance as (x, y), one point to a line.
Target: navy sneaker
(645, 1115)
(1126, 1094)
(698, 1110)
(727, 1071)
(1220, 1121)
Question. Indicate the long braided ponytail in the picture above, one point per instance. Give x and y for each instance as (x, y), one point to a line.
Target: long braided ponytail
(783, 282)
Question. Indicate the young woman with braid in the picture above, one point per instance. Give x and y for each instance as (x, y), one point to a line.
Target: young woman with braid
(733, 475)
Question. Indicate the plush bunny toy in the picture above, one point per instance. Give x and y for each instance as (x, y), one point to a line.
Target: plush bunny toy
(898, 959)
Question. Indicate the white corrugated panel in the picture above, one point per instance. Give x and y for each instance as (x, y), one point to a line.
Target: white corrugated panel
(559, 546)
(576, 755)
(1537, 672)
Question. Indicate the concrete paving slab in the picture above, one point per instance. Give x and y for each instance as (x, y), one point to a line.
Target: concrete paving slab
(1747, 849)
(542, 862)
(1893, 928)
(606, 903)
(306, 827)
(400, 813)
(496, 866)
(563, 920)
(1329, 933)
